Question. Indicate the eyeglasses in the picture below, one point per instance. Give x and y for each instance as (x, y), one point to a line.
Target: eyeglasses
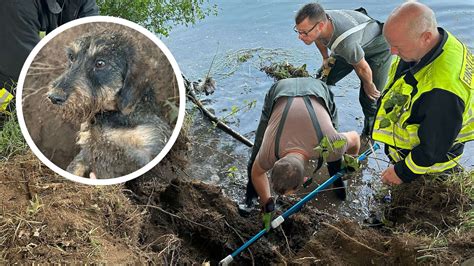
(305, 33)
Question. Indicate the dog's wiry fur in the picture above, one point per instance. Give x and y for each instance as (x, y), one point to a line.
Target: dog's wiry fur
(109, 88)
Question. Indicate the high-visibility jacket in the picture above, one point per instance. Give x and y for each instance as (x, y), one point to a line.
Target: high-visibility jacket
(446, 71)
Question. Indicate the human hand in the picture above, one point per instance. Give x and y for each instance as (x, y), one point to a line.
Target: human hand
(329, 62)
(390, 177)
(371, 91)
(325, 63)
(267, 213)
(92, 176)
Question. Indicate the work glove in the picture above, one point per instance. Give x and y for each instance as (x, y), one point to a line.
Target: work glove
(267, 213)
(323, 71)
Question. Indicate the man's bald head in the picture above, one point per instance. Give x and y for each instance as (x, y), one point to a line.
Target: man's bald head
(414, 18)
(411, 30)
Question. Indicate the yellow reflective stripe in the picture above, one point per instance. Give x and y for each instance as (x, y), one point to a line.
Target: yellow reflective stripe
(437, 167)
(394, 154)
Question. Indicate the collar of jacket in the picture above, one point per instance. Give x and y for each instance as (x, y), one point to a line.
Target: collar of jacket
(54, 6)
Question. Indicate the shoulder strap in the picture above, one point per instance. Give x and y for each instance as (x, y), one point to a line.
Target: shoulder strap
(349, 32)
(316, 125)
(280, 127)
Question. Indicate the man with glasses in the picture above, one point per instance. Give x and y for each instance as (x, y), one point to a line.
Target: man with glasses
(356, 43)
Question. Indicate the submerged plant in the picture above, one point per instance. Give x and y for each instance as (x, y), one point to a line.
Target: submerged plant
(285, 70)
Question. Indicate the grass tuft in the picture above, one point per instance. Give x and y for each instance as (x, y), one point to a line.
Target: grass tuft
(11, 139)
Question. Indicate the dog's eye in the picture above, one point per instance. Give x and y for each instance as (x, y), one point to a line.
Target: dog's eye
(99, 63)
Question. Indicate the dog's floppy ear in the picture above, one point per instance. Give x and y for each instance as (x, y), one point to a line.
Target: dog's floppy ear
(133, 87)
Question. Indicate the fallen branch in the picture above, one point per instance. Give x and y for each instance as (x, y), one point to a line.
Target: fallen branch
(192, 96)
(352, 239)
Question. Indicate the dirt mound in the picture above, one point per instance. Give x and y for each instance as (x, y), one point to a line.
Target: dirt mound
(347, 243)
(430, 204)
(45, 218)
(209, 226)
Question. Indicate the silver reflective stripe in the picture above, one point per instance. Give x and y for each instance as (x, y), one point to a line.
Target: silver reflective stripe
(464, 135)
(471, 120)
(391, 135)
(394, 154)
(4, 97)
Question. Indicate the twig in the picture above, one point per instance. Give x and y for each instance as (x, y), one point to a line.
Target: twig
(177, 216)
(16, 181)
(192, 96)
(241, 238)
(314, 259)
(287, 244)
(375, 155)
(354, 240)
(432, 249)
(282, 258)
(212, 62)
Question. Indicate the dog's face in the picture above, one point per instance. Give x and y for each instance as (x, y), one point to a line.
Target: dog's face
(98, 77)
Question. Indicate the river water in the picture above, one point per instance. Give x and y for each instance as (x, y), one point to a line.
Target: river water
(264, 30)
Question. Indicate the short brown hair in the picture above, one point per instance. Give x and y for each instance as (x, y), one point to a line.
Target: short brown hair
(313, 11)
(287, 174)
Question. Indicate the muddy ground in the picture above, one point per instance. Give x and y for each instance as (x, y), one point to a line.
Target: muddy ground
(45, 218)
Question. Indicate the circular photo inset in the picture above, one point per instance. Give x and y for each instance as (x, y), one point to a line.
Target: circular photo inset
(100, 100)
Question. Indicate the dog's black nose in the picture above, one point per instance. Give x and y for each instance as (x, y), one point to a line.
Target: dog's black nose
(57, 99)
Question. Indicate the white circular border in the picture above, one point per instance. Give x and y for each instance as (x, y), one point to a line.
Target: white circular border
(110, 181)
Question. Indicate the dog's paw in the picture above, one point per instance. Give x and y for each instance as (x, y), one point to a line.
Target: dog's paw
(78, 169)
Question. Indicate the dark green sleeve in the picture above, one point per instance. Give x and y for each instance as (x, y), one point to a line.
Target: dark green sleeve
(88, 8)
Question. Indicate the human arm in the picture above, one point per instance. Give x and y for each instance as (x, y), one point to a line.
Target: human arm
(390, 177)
(262, 126)
(88, 8)
(353, 142)
(364, 72)
(260, 183)
(439, 114)
(324, 52)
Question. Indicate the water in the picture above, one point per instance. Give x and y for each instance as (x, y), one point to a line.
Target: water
(267, 27)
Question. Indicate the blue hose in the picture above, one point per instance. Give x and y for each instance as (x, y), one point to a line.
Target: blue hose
(295, 208)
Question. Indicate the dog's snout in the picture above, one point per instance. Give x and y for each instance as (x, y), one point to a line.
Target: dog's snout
(57, 99)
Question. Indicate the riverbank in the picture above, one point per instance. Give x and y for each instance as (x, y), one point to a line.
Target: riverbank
(46, 218)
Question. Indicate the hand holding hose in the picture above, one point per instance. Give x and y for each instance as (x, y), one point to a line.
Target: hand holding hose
(267, 213)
